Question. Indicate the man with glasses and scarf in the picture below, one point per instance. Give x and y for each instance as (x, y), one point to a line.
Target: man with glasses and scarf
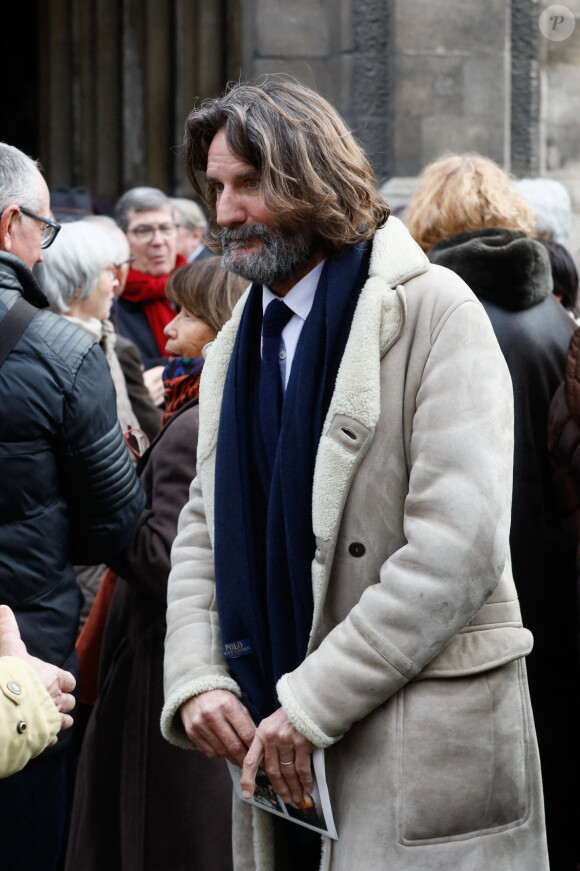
(341, 577)
(145, 214)
(69, 492)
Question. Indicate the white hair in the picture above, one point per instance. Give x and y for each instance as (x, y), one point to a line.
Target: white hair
(118, 238)
(75, 262)
(20, 184)
(551, 202)
(193, 216)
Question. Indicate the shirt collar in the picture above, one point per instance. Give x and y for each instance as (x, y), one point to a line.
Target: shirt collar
(300, 297)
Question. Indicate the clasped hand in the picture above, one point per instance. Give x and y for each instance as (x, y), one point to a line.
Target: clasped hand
(221, 726)
(58, 683)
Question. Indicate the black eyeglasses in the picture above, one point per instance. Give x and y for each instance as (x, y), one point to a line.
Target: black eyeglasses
(48, 232)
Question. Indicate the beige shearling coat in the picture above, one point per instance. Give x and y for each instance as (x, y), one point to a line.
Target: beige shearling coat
(415, 678)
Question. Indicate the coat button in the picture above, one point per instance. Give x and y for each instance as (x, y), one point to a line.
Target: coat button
(356, 548)
(21, 727)
(14, 687)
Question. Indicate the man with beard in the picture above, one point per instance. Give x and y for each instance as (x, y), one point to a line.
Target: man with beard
(341, 576)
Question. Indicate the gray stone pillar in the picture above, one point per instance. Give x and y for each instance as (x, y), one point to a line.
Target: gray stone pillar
(525, 88)
(372, 93)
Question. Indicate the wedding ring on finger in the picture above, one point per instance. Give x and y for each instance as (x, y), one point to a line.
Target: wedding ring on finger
(287, 763)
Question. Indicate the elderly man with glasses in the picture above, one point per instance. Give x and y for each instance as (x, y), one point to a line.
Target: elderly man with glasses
(191, 229)
(145, 214)
(17, 230)
(69, 492)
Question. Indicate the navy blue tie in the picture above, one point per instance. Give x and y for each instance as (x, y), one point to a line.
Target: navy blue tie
(276, 317)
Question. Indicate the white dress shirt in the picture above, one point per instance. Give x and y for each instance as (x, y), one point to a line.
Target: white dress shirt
(299, 299)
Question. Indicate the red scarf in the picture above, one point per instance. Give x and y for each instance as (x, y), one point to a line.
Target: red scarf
(149, 290)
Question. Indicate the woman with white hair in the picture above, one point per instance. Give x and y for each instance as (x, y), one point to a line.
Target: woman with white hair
(79, 277)
(144, 402)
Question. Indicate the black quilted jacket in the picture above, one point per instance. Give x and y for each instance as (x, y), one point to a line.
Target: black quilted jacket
(68, 492)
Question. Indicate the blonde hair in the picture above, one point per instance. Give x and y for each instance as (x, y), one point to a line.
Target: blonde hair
(313, 173)
(461, 192)
(206, 290)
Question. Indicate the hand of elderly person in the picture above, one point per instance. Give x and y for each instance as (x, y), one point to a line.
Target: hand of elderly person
(285, 754)
(58, 683)
(219, 724)
(153, 379)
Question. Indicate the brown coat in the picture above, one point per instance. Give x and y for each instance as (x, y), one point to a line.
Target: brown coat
(140, 804)
(564, 441)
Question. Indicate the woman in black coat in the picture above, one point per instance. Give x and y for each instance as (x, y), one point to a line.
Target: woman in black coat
(141, 804)
(468, 217)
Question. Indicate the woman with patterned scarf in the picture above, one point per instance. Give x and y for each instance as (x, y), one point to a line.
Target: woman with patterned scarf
(139, 802)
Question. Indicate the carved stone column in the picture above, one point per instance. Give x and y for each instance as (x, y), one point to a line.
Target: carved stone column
(372, 94)
(117, 81)
(525, 88)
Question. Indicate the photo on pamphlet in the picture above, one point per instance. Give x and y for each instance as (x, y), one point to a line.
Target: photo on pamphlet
(312, 811)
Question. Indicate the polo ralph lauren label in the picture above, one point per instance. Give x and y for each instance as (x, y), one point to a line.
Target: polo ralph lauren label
(235, 649)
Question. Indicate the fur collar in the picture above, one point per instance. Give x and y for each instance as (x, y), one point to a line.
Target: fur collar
(505, 267)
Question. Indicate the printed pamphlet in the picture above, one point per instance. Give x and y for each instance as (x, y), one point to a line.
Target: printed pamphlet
(313, 811)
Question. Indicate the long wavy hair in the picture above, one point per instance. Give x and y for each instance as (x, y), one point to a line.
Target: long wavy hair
(313, 173)
(461, 192)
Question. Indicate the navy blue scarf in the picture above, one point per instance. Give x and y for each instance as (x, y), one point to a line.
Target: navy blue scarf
(264, 543)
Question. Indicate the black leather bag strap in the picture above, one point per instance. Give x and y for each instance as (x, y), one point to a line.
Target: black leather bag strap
(13, 325)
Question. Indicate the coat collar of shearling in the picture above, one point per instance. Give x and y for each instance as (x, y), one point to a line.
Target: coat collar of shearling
(505, 267)
(376, 324)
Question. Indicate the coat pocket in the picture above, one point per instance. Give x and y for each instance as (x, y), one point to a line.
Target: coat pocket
(462, 755)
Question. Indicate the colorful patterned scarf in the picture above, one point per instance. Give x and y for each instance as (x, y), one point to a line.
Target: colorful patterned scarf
(181, 378)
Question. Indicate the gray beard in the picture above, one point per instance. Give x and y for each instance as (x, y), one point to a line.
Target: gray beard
(280, 257)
